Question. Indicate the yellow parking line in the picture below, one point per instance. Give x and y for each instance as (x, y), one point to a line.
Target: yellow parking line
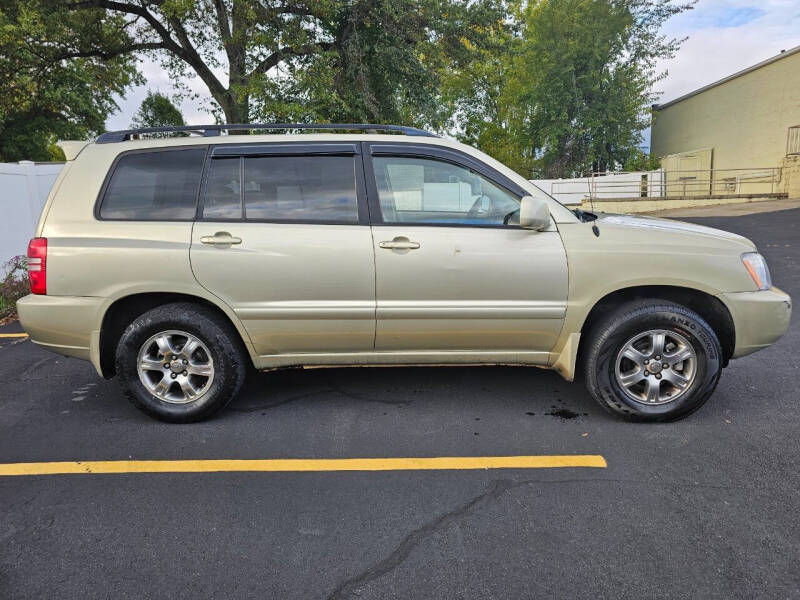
(303, 464)
(10, 335)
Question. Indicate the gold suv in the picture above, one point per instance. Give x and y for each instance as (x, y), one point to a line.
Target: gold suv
(177, 264)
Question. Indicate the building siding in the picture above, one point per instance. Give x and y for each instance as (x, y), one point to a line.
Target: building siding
(744, 119)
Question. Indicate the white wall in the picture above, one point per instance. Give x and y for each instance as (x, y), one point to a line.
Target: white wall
(23, 191)
(566, 191)
(610, 185)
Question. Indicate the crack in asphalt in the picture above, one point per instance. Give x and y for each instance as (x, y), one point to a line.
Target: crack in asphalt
(14, 343)
(412, 540)
(24, 375)
(357, 396)
(258, 407)
(331, 389)
(351, 586)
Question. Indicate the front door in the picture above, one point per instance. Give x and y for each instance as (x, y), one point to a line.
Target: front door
(283, 239)
(453, 272)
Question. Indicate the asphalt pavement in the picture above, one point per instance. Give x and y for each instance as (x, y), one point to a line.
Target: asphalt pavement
(703, 508)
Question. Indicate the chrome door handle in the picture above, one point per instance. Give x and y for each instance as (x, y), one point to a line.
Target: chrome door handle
(399, 243)
(221, 239)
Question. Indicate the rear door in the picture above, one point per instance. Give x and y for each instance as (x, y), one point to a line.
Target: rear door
(453, 271)
(283, 238)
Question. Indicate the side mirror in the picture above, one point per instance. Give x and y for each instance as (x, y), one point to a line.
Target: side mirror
(534, 213)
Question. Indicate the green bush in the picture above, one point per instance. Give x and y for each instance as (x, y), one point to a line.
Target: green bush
(14, 285)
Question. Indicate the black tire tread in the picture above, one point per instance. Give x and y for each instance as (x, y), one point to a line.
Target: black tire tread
(217, 333)
(600, 332)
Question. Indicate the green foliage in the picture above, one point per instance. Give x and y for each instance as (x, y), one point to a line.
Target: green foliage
(324, 60)
(550, 87)
(43, 95)
(156, 110)
(641, 161)
(571, 88)
(14, 285)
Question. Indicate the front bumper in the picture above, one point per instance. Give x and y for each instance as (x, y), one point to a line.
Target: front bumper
(62, 324)
(760, 318)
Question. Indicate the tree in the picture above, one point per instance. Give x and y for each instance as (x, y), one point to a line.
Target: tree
(374, 60)
(44, 97)
(638, 160)
(157, 110)
(573, 91)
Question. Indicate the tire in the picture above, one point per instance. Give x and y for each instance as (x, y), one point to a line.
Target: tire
(623, 376)
(214, 364)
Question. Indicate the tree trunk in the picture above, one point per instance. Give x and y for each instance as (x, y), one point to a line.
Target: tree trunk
(239, 107)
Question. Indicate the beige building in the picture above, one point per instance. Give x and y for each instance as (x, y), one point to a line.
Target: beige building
(739, 135)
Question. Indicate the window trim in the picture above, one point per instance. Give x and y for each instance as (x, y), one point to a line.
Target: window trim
(115, 163)
(286, 149)
(448, 155)
(298, 149)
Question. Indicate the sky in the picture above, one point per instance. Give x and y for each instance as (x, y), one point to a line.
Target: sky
(724, 36)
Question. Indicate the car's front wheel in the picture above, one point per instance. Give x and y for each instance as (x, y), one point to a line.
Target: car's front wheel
(652, 360)
(180, 362)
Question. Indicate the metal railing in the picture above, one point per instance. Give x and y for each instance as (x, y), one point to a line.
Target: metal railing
(662, 184)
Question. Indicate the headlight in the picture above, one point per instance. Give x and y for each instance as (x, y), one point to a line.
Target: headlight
(757, 267)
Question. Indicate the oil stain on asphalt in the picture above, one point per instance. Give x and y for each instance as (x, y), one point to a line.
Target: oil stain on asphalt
(565, 414)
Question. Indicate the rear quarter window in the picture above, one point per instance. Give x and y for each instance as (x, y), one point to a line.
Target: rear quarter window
(154, 186)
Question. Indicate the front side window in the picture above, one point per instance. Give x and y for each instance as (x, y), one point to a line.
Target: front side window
(283, 188)
(158, 185)
(424, 190)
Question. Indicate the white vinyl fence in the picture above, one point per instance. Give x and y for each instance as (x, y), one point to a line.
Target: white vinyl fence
(566, 191)
(603, 185)
(24, 188)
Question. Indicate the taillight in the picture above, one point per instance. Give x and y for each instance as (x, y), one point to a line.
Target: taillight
(37, 265)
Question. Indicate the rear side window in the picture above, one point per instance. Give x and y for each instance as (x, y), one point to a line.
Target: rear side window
(283, 188)
(154, 186)
(224, 190)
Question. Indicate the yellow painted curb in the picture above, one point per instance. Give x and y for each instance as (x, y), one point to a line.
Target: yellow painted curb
(13, 335)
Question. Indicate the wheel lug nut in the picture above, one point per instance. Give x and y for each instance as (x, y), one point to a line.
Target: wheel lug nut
(658, 358)
(185, 372)
(646, 361)
(665, 365)
(174, 375)
(658, 375)
(186, 362)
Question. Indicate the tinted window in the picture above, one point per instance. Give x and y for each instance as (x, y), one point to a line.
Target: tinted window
(307, 188)
(422, 190)
(283, 188)
(224, 190)
(154, 186)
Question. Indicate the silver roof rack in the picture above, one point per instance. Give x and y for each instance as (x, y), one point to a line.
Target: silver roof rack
(215, 130)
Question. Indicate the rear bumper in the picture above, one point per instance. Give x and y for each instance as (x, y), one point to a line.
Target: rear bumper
(760, 318)
(62, 324)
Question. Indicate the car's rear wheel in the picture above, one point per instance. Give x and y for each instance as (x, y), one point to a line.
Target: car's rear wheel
(180, 362)
(652, 360)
